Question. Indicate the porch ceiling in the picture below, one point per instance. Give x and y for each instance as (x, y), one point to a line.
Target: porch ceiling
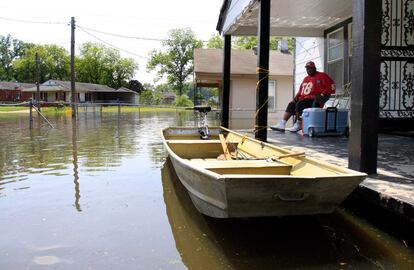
(299, 18)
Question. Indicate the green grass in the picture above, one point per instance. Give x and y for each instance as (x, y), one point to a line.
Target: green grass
(25, 109)
(109, 109)
(138, 109)
(12, 108)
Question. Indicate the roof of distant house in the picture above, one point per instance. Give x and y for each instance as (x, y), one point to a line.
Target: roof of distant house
(168, 95)
(243, 62)
(15, 85)
(125, 90)
(56, 85)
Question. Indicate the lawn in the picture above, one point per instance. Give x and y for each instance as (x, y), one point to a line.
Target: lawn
(11, 109)
(139, 109)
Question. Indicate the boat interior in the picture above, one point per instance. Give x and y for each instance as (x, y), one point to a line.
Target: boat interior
(232, 153)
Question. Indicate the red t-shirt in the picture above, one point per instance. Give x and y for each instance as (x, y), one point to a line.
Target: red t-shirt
(319, 83)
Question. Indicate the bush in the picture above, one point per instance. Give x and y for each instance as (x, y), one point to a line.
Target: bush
(212, 102)
(183, 101)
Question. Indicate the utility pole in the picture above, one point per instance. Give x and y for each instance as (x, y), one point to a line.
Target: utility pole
(37, 82)
(72, 68)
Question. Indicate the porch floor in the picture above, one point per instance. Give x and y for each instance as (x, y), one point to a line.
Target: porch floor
(391, 188)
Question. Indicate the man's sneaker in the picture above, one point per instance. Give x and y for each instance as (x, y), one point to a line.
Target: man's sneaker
(279, 127)
(296, 127)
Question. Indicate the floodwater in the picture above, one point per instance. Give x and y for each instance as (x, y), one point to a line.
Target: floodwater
(101, 194)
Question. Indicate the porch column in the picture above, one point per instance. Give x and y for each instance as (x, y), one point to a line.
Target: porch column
(366, 29)
(262, 70)
(225, 98)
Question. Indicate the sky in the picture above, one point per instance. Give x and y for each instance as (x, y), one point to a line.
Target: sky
(47, 22)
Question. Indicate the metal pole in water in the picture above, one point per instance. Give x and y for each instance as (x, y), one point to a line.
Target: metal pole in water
(72, 67)
(37, 82)
(30, 114)
(44, 118)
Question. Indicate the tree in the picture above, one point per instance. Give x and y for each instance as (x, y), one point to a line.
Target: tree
(183, 101)
(122, 72)
(90, 63)
(215, 42)
(146, 97)
(101, 65)
(150, 95)
(54, 63)
(176, 62)
(247, 43)
(203, 93)
(136, 86)
(10, 50)
(163, 87)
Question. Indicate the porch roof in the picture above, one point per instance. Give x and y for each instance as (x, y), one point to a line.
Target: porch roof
(299, 18)
(208, 66)
(243, 62)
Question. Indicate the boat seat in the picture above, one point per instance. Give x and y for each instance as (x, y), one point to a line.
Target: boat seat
(243, 166)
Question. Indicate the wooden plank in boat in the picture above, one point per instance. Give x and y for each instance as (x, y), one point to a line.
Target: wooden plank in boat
(259, 167)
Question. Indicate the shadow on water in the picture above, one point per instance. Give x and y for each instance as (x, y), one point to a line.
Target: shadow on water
(337, 241)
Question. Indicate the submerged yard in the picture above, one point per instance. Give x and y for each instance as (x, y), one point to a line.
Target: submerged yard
(100, 194)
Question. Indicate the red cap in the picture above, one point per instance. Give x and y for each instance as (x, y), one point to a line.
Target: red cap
(310, 64)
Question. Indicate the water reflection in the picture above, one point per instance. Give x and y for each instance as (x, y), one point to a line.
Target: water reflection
(96, 142)
(75, 164)
(316, 242)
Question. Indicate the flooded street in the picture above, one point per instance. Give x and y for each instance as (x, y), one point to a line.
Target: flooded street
(101, 194)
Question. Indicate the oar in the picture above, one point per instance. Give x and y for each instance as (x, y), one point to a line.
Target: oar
(224, 146)
(288, 155)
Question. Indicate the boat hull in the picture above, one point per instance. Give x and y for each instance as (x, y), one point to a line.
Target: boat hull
(222, 189)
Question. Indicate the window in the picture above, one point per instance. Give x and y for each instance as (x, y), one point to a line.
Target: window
(88, 96)
(339, 53)
(271, 104)
(43, 96)
(349, 52)
(335, 57)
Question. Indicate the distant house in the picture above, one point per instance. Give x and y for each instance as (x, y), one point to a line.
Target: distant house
(12, 91)
(54, 90)
(168, 98)
(134, 99)
(208, 67)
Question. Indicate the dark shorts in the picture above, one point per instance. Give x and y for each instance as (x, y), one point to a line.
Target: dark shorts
(298, 107)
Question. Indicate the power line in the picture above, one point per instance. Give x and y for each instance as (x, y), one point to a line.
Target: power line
(123, 36)
(109, 44)
(27, 21)
(89, 29)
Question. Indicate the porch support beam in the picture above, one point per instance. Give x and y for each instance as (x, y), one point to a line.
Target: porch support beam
(225, 98)
(366, 61)
(263, 70)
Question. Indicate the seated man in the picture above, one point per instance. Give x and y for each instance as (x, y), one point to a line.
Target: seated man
(315, 90)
